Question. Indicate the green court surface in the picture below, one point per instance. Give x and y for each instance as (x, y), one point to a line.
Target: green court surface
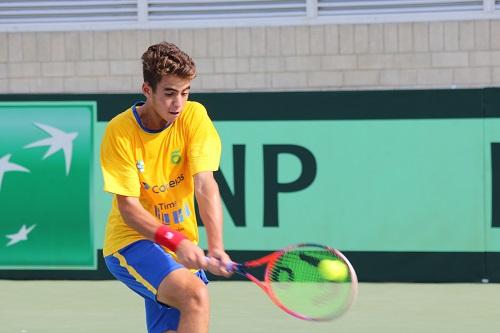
(108, 307)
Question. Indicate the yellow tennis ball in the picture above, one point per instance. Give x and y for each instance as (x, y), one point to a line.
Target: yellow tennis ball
(333, 270)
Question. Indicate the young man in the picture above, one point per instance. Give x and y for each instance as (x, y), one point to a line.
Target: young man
(155, 157)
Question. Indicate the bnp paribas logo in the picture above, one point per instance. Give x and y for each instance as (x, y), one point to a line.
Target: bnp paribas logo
(56, 140)
(175, 156)
(47, 162)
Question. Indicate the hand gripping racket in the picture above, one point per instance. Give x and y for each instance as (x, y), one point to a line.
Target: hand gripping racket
(308, 281)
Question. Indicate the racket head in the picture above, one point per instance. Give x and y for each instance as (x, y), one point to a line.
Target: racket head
(298, 286)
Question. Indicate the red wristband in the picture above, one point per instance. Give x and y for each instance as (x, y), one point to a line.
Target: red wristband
(168, 237)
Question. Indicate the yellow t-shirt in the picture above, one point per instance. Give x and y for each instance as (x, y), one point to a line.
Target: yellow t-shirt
(158, 168)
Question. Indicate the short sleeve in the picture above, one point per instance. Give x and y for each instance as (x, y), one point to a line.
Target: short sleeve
(118, 164)
(204, 148)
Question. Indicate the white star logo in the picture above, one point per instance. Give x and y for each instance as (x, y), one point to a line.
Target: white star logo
(21, 235)
(58, 140)
(6, 166)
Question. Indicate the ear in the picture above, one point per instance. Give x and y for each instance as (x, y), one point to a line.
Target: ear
(147, 90)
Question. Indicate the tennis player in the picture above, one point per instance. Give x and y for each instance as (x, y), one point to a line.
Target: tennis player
(156, 157)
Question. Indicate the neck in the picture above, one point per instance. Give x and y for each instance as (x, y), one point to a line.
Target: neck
(150, 118)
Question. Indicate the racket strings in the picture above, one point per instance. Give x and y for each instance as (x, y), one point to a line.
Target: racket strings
(298, 284)
(297, 266)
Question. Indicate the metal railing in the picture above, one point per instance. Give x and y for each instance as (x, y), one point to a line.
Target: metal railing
(143, 14)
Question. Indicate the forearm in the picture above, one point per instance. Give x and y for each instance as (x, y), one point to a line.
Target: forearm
(137, 217)
(210, 208)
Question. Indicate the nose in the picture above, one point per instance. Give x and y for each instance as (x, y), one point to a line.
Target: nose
(178, 100)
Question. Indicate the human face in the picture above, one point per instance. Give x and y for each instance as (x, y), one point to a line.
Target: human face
(165, 104)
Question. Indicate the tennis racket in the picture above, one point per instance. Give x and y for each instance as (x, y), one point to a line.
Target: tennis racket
(295, 282)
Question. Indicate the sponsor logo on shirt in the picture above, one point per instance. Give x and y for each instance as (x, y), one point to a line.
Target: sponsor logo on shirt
(160, 188)
(171, 213)
(140, 166)
(175, 156)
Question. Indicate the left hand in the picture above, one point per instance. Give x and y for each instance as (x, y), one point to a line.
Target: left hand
(218, 262)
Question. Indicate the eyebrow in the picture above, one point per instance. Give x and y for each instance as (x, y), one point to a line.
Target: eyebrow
(175, 90)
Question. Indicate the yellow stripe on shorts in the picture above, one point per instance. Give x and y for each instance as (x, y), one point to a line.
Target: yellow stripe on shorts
(133, 272)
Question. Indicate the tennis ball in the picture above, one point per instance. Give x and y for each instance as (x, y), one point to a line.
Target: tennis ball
(333, 270)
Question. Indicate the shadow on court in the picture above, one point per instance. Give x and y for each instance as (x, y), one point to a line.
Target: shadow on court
(109, 307)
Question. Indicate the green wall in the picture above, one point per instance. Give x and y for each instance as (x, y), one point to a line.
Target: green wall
(381, 185)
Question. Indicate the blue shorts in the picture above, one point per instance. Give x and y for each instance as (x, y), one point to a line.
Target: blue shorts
(142, 266)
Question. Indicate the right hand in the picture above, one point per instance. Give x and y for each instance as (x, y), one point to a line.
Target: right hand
(190, 255)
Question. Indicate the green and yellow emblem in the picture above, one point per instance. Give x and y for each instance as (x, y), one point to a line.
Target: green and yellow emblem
(175, 156)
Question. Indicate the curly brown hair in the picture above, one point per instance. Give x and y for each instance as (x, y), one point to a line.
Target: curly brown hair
(166, 59)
